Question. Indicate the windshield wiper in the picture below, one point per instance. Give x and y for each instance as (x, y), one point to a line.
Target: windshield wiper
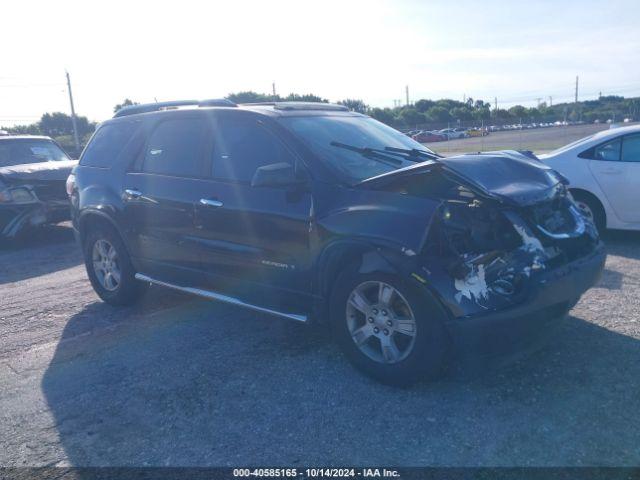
(413, 153)
(372, 153)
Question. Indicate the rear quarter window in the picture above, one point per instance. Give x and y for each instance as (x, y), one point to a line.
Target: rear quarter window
(107, 144)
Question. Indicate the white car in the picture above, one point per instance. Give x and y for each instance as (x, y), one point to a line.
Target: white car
(604, 175)
(453, 133)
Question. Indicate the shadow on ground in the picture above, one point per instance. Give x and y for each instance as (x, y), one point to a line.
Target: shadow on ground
(56, 250)
(623, 243)
(207, 384)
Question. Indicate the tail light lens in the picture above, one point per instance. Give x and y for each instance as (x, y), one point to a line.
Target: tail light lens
(71, 184)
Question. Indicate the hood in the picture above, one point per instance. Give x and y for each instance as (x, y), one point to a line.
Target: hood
(508, 176)
(37, 172)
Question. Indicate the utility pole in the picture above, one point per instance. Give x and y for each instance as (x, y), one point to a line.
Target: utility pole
(576, 89)
(273, 87)
(406, 91)
(76, 139)
(495, 102)
(538, 101)
(550, 101)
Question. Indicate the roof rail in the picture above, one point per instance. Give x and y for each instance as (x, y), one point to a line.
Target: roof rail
(299, 106)
(154, 107)
(310, 106)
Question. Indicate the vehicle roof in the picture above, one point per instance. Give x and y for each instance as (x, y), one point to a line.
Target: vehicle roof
(24, 137)
(614, 132)
(272, 109)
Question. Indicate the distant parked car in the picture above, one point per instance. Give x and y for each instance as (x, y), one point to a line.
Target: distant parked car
(33, 172)
(477, 132)
(427, 136)
(604, 174)
(453, 133)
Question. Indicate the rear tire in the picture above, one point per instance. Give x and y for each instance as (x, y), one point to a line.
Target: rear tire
(592, 209)
(397, 342)
(109, 268)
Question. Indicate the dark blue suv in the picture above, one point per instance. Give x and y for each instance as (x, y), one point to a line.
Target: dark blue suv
(311, 212)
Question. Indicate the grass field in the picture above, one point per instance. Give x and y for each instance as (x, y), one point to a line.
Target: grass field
(539, 140)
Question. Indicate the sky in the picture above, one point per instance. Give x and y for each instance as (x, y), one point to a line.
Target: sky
(517, 51)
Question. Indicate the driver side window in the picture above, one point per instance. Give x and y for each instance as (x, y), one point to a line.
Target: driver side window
(241, 146)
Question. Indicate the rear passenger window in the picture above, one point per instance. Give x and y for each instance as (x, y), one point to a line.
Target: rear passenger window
(107, 143)
(609, 151)
(175, 148)
(241, 146)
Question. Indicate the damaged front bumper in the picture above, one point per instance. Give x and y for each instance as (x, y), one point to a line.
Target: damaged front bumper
(513, 276)
(15, 217)
(549, 296)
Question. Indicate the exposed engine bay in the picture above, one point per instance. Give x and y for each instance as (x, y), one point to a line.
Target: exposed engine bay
(491, 250)
(491, 234)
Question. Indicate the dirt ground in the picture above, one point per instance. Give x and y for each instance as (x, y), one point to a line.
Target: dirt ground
(185, 382)
(538, 140)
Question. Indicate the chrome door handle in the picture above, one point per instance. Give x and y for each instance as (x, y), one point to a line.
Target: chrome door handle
(131, 193)
(211, 203)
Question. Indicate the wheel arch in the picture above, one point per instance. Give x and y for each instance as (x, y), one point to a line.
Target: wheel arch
(95, 218)
(336, 256)
(370, 257)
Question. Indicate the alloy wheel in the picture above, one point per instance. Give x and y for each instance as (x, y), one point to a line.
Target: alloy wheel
(106, 265)
(381, 322)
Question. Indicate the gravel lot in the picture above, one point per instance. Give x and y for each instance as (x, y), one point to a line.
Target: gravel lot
(180, 381)
(538, 140)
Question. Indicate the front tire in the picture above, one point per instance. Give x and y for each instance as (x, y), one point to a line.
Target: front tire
(109, 268)
(388, 328)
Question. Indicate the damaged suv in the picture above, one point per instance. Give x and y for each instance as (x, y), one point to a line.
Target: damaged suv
(314, 213)
(33, 171)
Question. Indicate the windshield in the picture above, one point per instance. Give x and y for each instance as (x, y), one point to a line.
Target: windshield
(324, 134)
(20, 151)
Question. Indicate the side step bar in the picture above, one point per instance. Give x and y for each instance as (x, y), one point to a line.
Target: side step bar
(222, 298)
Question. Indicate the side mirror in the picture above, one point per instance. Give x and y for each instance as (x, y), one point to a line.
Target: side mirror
(275, 175)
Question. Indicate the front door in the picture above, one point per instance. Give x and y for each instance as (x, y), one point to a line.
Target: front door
(254, 240)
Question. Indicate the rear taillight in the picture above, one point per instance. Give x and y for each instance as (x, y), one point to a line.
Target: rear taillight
(71, 184)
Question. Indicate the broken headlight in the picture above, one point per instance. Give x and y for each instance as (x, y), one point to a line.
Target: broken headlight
(17, 195)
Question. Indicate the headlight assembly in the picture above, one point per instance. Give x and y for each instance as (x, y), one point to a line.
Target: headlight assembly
(17, 195)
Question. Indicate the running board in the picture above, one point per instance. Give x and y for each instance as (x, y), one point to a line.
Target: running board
(222, 298)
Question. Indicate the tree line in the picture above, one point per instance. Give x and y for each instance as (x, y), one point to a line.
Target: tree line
(423, 112)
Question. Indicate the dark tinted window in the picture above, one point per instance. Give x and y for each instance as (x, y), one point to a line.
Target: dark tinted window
(174, 148)
(608, 151)
(20, 151)
(241, 146)
(631, 148)
(107, 143)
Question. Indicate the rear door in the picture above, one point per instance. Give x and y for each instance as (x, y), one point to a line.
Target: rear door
(616, 167)
(159, 197)
(254, 241)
